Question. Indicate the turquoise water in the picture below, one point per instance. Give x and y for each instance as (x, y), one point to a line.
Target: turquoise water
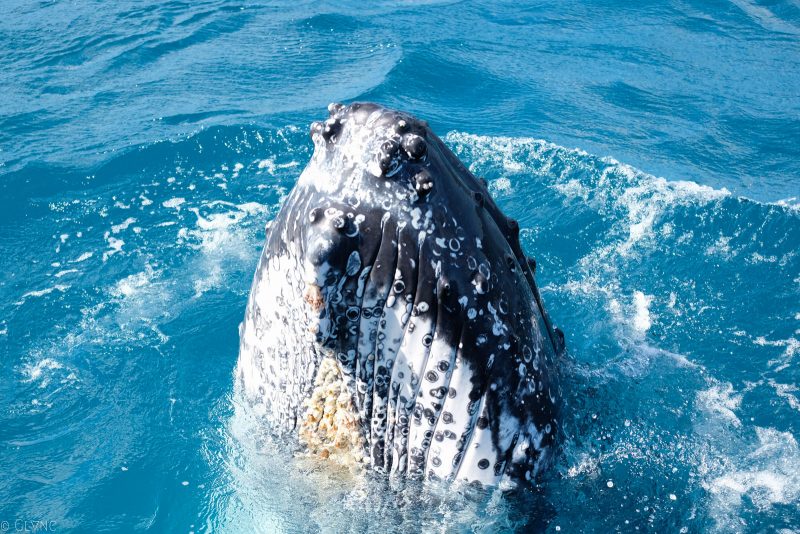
(651, 153)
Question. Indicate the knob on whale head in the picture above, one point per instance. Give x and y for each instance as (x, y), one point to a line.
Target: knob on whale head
(361, 145)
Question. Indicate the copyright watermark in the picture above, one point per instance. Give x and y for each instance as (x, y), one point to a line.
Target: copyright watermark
(27, 525)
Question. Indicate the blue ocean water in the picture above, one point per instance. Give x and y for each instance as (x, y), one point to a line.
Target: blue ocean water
(650, 151)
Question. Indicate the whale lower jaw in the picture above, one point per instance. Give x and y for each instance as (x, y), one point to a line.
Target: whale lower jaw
(304, 390)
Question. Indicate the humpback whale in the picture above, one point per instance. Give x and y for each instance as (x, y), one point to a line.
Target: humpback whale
(394, 320)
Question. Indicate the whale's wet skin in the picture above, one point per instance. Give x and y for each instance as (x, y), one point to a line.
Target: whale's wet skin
(394, 319)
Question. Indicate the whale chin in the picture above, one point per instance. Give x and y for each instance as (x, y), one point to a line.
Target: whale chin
(394, 321)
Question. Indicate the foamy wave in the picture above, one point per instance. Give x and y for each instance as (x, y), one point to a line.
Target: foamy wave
(114, 246)
(501, 186)
(42, 292)
(132, 285)
(791, 348)
(792, 204)
(641, 320)
(638, 199)
(786, 392)
(45, 370)
(174, 203)
(83, 257)
(219, 239)
(117, 228)
(720, 400)
(574, 172)
(769, 475)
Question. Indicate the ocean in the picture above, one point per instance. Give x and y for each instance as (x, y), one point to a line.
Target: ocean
(650, 151)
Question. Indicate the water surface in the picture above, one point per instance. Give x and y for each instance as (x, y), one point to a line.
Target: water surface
(649, 151)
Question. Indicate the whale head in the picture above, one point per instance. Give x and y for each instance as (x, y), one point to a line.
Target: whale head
(392, 282)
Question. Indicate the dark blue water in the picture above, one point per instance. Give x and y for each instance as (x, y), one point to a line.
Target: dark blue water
(144, 145)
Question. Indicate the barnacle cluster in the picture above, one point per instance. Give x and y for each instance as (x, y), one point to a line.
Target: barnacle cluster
(330, 427)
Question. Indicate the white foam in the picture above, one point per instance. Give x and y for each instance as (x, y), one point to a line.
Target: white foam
(34, 372)
(769, 475)
(252, 208)
(791, 203)
(42, 292)
(217, 239)
(44, 370)
(755, 257)
(792, 347)
(641, 320)
(573, 190)
(500, 186)
(721, 400)
(217, 221)
(224, 219)
(115, 245)
(83, 257)
(117, 228)
(721, 247)
(268, 164)
(174, 203)
(131, 285)
(587, 464)
(785, 391)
